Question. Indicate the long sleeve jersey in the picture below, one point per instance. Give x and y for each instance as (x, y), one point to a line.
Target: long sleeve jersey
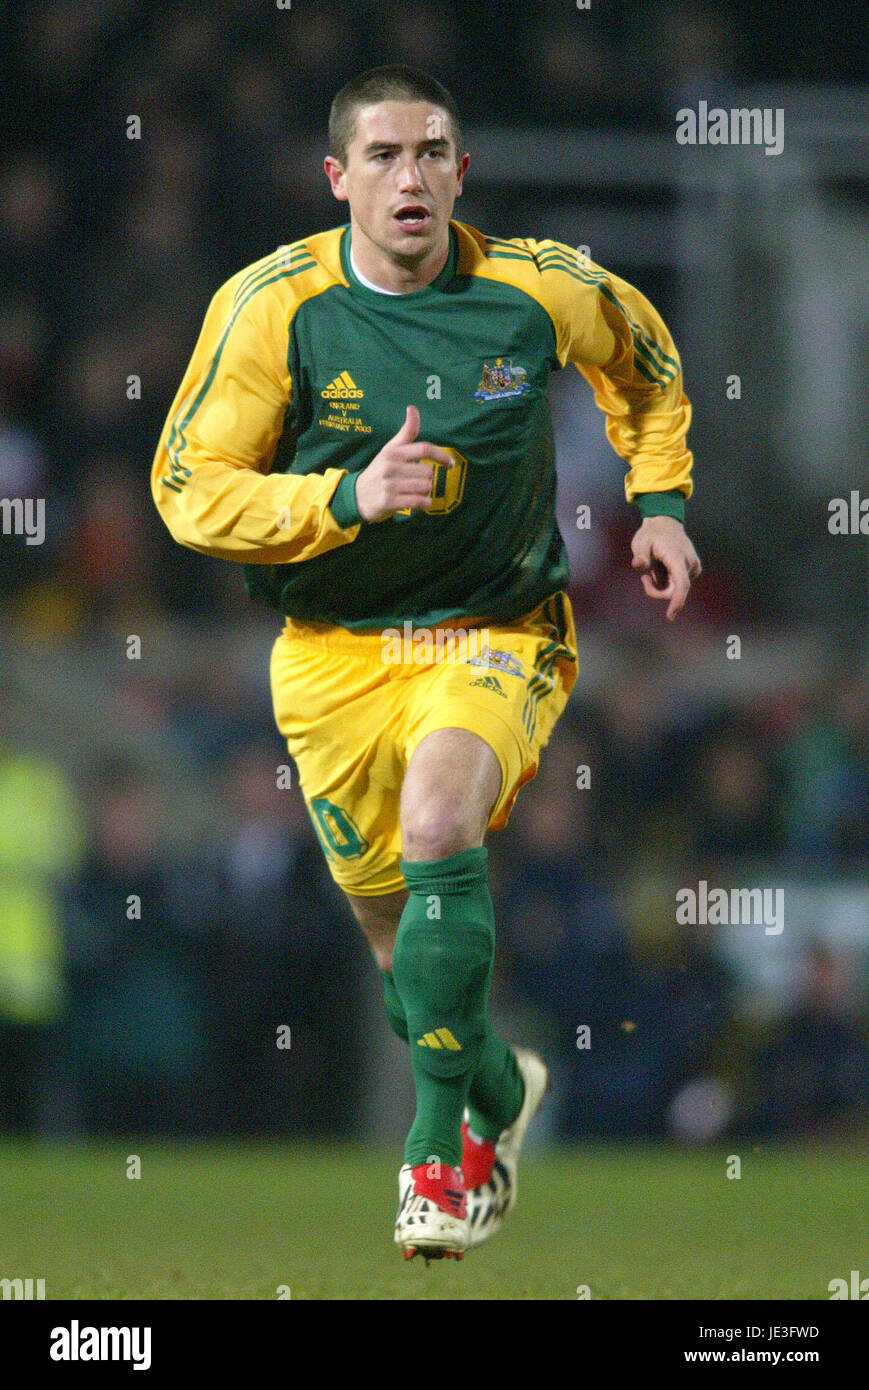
(302, 374)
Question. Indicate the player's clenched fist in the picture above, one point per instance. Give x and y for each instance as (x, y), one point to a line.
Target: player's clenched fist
(397, 477)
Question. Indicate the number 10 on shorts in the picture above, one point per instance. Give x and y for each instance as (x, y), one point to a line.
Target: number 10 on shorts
(336, 830)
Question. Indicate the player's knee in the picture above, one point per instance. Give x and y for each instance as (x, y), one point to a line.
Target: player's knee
(435, 829)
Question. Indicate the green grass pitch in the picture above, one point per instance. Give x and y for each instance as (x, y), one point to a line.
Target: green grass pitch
(212, 1221)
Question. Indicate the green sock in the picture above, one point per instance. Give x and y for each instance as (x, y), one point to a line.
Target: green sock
(441, 969)
(394, 1007)
(496, 1091)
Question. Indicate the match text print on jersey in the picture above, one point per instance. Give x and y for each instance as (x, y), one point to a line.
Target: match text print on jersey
(23, 516)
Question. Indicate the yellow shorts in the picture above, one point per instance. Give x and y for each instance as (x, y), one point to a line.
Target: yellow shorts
(353, 707)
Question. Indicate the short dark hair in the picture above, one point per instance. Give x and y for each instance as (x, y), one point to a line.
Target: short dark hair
(393, 82)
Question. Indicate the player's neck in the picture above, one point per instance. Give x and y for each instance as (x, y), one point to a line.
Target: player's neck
(397, 277)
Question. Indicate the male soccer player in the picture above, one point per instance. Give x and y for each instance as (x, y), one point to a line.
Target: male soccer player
(364, 424)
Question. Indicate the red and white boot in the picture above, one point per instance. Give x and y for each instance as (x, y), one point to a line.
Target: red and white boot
(432, 1215)
(491, 1168)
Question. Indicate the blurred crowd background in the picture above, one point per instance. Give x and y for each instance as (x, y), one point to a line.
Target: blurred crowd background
(173, 957)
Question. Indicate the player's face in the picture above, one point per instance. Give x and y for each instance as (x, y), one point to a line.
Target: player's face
(401, 178)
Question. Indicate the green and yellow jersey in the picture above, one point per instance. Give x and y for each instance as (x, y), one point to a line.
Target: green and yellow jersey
(302, 374)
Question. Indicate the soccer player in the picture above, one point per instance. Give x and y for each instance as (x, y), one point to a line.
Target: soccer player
(364, 424)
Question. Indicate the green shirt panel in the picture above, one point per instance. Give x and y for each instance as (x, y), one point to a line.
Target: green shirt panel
(474, 355)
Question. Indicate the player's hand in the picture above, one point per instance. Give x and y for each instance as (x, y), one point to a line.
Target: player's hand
(668, 559)
(397, 477)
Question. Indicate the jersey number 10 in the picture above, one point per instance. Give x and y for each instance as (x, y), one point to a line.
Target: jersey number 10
(448, 486)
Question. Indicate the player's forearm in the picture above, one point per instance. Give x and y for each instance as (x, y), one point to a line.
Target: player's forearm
(652, 443)
(235, 513)
(627, 354)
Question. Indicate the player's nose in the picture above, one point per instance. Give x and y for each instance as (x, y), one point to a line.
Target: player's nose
(410, 178)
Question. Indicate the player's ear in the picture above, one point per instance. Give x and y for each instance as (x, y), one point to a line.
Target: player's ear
(462, 170)
(335, 175)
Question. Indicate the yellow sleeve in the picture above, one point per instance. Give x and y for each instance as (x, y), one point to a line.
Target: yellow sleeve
(620, 343)
(210, 474)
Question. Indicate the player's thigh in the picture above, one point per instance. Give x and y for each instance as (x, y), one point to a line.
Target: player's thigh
(340, 713)
(510, 695)
(452, 782)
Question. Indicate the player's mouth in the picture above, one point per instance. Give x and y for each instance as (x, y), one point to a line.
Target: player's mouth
(414, 217)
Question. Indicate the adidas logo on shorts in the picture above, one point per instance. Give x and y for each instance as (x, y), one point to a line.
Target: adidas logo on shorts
(490, 683)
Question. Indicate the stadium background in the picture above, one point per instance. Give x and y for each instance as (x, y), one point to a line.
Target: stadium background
(151, 775)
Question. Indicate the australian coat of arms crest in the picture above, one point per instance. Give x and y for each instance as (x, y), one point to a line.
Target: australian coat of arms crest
(501, 379)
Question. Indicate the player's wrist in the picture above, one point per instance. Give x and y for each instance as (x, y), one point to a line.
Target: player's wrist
(344, 505)
(670, 503)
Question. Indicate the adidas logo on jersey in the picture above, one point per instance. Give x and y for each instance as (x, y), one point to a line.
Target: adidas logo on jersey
(440, 1038)
(343, 388)
(491, 683)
